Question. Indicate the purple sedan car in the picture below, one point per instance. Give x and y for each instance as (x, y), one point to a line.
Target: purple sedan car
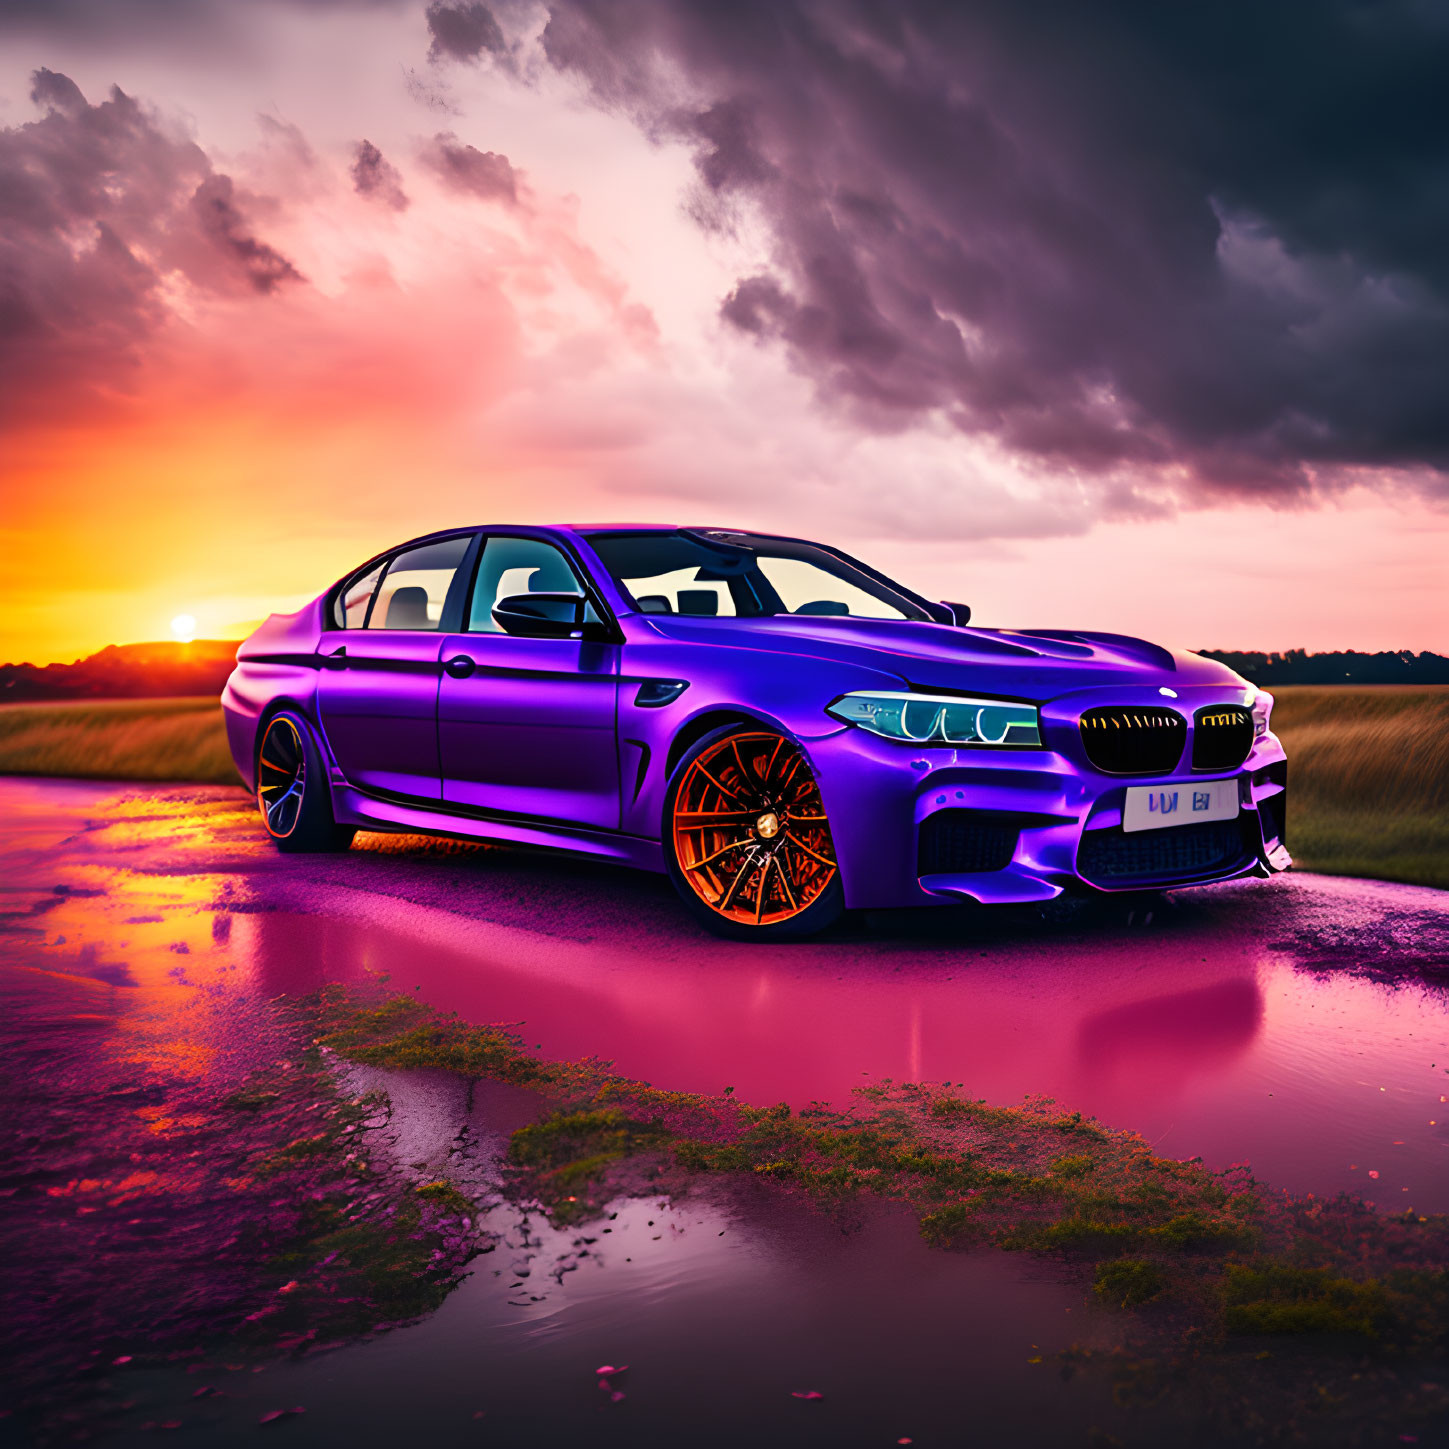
(786, 732)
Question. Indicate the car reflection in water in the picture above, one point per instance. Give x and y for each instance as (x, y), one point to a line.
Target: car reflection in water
(1159, 1046)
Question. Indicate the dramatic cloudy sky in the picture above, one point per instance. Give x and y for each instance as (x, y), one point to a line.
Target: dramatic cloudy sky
(1124, 315)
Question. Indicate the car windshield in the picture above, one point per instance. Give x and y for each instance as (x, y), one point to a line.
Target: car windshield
(710, 575)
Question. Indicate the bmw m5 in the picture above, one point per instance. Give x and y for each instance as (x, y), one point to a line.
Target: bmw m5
(785, 731)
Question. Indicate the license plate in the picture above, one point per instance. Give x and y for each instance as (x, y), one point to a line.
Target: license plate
(1151, 807)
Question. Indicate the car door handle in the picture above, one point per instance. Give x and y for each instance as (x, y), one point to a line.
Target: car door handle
(337, 659)
(459, 666)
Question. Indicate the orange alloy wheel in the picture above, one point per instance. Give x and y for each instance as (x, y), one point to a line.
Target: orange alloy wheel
(750, 832)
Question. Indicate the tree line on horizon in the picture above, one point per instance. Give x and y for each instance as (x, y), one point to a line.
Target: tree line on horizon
(125, 671)
(1340, 666)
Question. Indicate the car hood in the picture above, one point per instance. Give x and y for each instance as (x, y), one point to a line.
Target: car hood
(1035, 664)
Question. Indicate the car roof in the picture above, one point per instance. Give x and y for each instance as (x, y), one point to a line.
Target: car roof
(585, 530)
(579, 530)
(588, 528)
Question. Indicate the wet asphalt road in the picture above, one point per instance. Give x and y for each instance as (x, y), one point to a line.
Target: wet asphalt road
(1299, 1024)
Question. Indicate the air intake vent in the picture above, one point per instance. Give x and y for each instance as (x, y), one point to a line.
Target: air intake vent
(1187, 852)
(957, 841)
(1222, 735)
(1125, 740)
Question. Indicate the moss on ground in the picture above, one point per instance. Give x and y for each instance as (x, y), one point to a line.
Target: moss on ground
(446, 1197)
(1128, 1282)
(1276, 1298)
(402, 1034)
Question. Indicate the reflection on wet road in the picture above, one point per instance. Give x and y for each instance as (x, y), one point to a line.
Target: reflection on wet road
(1298, 1024)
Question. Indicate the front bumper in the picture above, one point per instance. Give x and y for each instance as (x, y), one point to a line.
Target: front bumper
(1041, 821)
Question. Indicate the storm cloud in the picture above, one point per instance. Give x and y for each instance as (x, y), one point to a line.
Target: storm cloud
(463, 168)
(264, 268)
(101, 208)
(375, 177)
(1207, 242)
(463, 32)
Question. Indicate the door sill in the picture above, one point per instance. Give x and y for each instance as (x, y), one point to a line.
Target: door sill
(378, 810)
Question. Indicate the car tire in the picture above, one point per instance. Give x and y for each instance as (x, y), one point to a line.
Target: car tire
(292, 792)
(746, 838)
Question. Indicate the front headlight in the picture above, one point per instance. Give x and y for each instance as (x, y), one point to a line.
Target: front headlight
(1262, 709)
(939, 718)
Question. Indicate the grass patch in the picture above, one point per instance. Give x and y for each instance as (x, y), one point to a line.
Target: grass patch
(575, 1146)
(1197, 1230)
(118, 739)
(948, 1225)
(1084, 1126)
(569, 1154)
(1368, 780)
(947, 1107)
(1412, 847)
(1077, 1235)
(1272, 1298)
(406, 1035)
(1128, 1282)
(447, 1198)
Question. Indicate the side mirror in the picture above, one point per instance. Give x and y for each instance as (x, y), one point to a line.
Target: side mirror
(960, 613)
(542, 616)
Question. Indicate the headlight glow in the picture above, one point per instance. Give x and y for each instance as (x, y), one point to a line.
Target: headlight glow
(939, 718)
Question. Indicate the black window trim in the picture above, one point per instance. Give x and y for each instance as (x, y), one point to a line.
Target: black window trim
(609, 630)
(335, 600)
(384, 561)
(451, 603)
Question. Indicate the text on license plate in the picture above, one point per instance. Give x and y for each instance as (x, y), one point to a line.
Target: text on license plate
(1150, 807)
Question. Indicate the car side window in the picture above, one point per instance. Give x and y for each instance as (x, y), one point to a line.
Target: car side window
(519, 566)
(681, 591)
(349, 608)
(805, 589)
(415, 586)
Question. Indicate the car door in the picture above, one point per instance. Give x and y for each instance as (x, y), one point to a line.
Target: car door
(377, 694)
(527, 726)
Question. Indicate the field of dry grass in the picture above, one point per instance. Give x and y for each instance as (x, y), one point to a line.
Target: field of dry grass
(1368, 765)
(1368, 779)
(117, 739)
